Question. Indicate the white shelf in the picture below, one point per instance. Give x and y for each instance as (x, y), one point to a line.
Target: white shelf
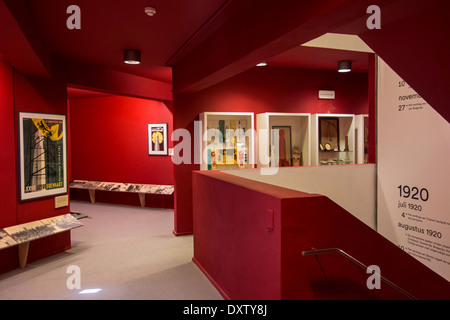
(299, 125)
(241, 141)
(338, 154)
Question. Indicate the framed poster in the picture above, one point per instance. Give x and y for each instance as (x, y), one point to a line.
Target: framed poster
(284, 145)
(329, 134)
(42, 155)
(157, 139)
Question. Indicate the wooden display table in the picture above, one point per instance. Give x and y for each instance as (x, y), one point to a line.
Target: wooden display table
(140, 189)
(21, 235)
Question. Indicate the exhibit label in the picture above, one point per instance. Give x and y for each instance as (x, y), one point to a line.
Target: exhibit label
(413, 174)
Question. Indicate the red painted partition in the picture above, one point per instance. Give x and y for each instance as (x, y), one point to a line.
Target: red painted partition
(249, 237)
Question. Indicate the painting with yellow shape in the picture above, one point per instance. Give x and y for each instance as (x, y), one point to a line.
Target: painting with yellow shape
(52, 133)
(157, 139)
(43, 154)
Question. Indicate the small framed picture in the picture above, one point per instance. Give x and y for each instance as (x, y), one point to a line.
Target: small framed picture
(157, 139)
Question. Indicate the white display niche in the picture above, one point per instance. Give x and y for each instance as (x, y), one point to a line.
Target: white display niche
(293, 133)
(236, 150)
(333, 139)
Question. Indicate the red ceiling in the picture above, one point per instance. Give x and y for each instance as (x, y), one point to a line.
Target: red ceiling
(76, 93)
(320, 58)
(110, 26)
(36, 29)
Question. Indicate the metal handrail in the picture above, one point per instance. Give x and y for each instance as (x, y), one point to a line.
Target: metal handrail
(359, 264)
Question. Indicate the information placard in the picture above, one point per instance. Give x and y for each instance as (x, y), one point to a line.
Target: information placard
(413, 172)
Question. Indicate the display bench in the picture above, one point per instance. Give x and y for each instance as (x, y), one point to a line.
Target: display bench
(140, 189)
(333, 139)
(284, 139)
(21, 235)
(228, 140)
(362, 138)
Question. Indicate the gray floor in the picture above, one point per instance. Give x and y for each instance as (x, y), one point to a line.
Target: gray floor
(127, 252)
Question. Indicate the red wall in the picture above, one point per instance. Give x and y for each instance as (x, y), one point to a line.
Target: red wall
(246, 261)
(415, 48)
(8, 257)
(22, 93)
(8, 189)
(263, 90)
(109, 143)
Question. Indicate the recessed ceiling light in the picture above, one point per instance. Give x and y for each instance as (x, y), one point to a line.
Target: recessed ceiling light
(150, 11)
(262, 64)
(132, 57)
(344, 66)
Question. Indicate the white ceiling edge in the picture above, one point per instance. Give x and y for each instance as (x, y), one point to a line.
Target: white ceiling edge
(339, 41)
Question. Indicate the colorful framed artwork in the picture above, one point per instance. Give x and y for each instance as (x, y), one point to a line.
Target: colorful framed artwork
(157, 139)
(42, 155)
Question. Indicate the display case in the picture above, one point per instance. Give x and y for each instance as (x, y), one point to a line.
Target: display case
(362, 138)
(333, 139)
(228, 140)
(283, 139)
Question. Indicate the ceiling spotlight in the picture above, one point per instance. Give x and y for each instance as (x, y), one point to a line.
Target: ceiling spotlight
(344, 66)
(150, 11)
(132, 56)
(262, 64)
